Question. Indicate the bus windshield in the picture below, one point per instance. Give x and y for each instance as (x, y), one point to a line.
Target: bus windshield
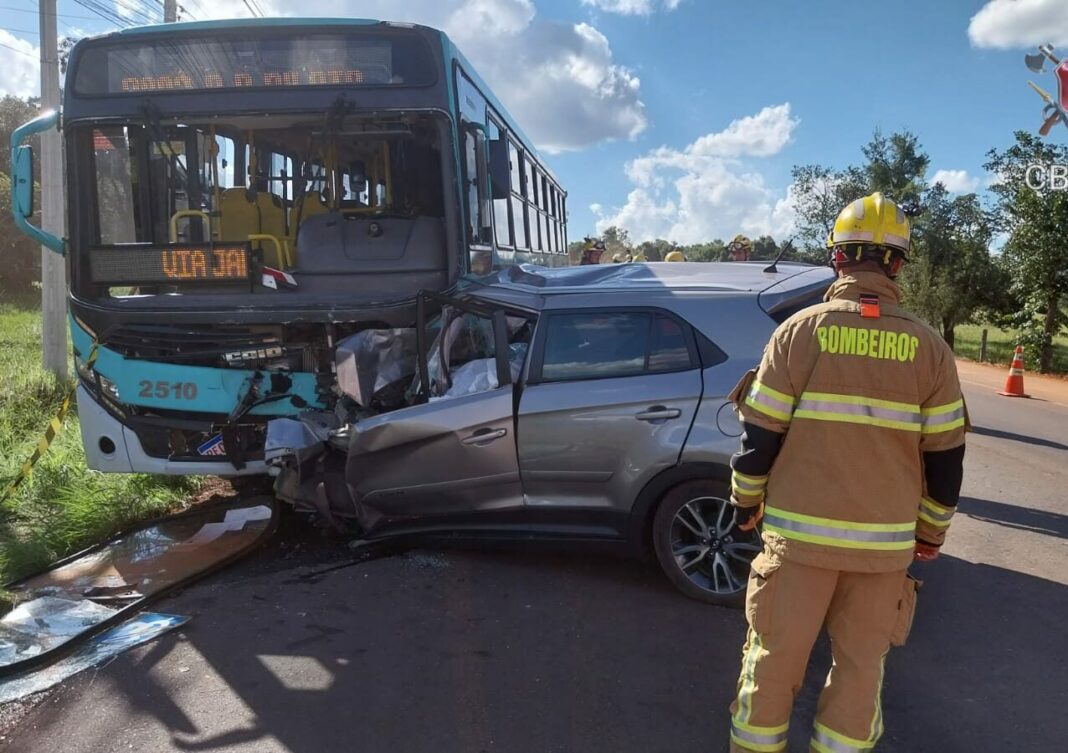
(224, 207)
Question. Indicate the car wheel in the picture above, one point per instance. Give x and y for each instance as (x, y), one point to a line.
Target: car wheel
(698, 546)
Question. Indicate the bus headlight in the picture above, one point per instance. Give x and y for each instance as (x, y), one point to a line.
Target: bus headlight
(109, 388)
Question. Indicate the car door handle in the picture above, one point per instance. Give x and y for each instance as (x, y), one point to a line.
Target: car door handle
(658, 413)
(484, 436)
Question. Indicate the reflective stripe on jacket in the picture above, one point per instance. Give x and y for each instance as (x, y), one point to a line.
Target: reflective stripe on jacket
(860, 400)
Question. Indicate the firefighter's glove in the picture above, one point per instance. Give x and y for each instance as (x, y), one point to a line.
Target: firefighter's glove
(747, 518)
(926, 552)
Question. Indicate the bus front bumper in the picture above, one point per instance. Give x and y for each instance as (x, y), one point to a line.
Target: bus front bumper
(113, 448)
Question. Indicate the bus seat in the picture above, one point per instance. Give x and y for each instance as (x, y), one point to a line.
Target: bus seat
(238, 217)
(310, 204)
(337, 251)
(272, 214)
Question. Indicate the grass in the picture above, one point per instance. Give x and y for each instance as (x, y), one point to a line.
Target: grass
(1000, 345)
(63, 506)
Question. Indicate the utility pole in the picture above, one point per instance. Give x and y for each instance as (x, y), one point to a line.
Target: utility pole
(53, 265)
(170, 11)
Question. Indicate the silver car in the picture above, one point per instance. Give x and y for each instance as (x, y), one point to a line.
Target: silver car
(586, 404)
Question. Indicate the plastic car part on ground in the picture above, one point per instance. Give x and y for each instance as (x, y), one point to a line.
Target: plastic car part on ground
(103, 586)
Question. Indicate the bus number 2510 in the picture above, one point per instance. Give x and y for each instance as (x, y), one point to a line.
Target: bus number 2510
(165, 390)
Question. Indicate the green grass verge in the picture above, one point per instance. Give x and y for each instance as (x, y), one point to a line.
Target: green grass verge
(63, 506)
(1000, 345)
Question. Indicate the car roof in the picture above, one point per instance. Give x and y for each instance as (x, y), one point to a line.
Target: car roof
(533, 284)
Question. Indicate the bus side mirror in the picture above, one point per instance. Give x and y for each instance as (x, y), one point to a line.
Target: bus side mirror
(499, 176)
(22, 181)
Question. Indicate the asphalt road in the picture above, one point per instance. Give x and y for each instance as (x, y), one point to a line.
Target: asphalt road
(520, 651)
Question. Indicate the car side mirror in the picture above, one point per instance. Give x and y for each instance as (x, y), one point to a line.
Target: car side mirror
(22, 181)
(499, 177)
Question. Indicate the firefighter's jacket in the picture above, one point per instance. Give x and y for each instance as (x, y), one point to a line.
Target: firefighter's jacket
(854, 432)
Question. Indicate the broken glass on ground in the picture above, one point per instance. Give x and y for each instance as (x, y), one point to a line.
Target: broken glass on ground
(140, 629)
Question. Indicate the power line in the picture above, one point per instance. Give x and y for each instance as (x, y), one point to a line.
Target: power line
(20, 31)
(58, 15)
(104, 12)
(23, 52)
(251, 8)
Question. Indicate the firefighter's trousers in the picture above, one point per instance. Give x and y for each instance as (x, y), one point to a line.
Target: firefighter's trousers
(786, 606)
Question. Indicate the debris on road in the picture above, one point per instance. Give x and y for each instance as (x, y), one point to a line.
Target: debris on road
(99, 588)
(140, 629)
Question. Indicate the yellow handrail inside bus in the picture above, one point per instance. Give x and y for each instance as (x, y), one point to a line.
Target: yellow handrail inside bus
(281, 248)
(190, 213)
(388, 175)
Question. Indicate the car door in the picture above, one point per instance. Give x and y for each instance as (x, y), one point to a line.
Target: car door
(610, 399)
(450, 460)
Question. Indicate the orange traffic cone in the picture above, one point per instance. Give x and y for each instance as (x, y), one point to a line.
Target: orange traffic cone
(1014, 386)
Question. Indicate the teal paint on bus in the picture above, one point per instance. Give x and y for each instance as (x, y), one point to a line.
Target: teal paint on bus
(215, 391)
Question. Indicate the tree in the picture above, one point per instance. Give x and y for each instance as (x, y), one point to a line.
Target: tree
(20, 257)
(951, 275)
(656, 250)
(896, 166)
(819, 194)
(617, 241)
(1036, 217)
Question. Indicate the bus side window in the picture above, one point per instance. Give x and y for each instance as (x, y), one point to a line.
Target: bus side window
(476, 194)
(519, 212)
(501, 219)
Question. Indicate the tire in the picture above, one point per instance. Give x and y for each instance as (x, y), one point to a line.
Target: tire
(698, 546)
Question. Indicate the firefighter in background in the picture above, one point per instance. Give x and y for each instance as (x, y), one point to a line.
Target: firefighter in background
(740, 249)
(852, 456)
(593, 251)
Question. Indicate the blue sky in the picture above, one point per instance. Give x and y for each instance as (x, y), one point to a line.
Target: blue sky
(635, 98)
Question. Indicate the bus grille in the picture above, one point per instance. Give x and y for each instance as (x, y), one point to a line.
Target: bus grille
(193, 345)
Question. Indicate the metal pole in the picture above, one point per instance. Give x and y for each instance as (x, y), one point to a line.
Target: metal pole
(170, 11)
(53, 265)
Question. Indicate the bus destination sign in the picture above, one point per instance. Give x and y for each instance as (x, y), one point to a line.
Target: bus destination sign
(178, 264)
(190, 65)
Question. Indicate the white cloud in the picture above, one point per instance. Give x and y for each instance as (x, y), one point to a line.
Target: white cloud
(1006, 24)
(705, 190)
(19, 62)
(955, 181)
(560, 81)
(632, 7)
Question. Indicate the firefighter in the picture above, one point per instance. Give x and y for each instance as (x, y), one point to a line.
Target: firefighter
(593, 251)
(852, 457)
(675, 255)
(740, 248)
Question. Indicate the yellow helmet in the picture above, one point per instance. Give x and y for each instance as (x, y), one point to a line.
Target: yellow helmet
(740, 248)
(872, 221)
(675, 256)
(638, 256)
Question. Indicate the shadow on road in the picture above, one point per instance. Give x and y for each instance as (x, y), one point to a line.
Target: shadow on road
(999, 434)
(474, 651)
(1013, 516)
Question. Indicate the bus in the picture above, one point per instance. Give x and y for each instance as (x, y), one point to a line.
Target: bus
(243, 195)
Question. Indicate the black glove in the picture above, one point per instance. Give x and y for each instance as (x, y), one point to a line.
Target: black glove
(747, 518)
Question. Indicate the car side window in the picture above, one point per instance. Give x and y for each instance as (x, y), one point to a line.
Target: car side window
(669, 351)
(600, 344)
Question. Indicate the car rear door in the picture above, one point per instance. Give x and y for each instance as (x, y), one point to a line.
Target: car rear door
(610, 398)
(450, 460)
